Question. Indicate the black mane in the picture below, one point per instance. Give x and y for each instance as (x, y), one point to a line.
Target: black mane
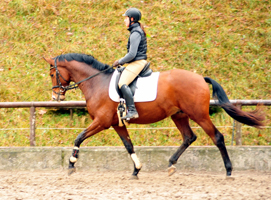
(88, 59)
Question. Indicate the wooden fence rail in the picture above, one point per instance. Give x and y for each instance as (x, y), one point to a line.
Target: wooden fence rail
(78, 104)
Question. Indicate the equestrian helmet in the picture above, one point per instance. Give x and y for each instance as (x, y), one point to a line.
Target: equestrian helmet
(134, 13)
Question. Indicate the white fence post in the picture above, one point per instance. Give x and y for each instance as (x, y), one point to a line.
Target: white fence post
(32, 126)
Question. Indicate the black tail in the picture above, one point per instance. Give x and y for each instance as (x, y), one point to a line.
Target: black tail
(249, 118)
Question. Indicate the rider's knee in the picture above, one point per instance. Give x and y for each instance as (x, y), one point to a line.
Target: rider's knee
(120, 84)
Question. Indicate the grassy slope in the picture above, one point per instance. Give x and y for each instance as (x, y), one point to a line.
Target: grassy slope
(229, 41)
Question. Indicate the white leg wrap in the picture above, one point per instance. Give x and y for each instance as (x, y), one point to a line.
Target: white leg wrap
(138, 164)
(73, 159)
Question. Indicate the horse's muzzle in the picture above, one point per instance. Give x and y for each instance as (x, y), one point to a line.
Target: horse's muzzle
(56, 97)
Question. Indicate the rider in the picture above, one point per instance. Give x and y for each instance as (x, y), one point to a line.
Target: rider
(136, 58)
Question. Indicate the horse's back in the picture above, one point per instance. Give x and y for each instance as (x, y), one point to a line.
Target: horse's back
(178, 90)
(179, 78)
(183, 89)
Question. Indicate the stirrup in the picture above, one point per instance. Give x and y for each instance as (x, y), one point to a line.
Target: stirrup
(130, 116)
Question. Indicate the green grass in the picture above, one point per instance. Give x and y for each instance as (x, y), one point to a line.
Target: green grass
(229, 41)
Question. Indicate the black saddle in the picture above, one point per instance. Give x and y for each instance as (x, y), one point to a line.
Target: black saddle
(146, 71)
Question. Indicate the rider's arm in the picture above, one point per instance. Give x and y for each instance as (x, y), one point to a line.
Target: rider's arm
(134, 43)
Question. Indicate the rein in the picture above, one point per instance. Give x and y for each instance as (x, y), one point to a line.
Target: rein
(62, 88)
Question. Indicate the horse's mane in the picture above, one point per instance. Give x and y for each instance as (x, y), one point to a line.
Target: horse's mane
(88, 59)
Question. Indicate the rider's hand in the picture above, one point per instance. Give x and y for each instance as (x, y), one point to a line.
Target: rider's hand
(116, 63)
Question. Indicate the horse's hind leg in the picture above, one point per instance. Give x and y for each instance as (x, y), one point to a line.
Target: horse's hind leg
(218, 140)
(182, 122)
(124, 135)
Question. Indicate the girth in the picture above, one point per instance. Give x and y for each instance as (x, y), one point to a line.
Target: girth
(146, 71)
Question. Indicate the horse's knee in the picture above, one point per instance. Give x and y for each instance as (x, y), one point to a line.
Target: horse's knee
(129, 147)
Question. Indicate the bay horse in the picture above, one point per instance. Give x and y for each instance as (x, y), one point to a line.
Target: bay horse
(182, 95)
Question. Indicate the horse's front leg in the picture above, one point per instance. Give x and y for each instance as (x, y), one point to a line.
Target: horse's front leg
(94, 128)
(124, 135)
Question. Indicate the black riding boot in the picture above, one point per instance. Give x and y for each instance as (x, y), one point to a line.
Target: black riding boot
(128, 96)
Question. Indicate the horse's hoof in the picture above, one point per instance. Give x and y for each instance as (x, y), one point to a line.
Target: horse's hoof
(171, 170)
(71, 171)
(134, 177)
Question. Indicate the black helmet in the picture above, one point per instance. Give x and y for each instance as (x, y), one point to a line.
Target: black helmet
(134, 13)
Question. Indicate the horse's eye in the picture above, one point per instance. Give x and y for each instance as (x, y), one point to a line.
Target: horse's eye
(52, 75)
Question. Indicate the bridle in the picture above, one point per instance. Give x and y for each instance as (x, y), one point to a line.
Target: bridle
(63, 89)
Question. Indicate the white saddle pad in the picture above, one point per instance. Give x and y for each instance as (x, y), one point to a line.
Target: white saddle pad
(146, 88)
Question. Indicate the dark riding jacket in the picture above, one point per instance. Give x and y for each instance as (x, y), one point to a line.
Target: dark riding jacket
(137, 45)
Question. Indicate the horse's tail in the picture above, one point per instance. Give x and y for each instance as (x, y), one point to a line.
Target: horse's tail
(249, 118)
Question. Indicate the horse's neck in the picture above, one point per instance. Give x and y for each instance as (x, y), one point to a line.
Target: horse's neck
(93, 85)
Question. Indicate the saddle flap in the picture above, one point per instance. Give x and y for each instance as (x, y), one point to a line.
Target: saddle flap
(146, 71)
(145, 89)
(132, 85)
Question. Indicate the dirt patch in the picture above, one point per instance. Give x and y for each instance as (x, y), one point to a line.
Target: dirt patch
(117, 185)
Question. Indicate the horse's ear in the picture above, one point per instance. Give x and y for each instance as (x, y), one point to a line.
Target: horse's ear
(49, 60)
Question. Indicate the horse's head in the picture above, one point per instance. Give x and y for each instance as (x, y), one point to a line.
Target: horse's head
(60, 79)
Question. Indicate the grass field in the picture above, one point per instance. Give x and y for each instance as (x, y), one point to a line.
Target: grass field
(229, 41)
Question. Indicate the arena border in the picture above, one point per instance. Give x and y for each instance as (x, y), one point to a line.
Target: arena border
(196, 158)
(79, 104)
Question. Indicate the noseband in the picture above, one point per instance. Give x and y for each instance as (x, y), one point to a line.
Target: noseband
(63, 89)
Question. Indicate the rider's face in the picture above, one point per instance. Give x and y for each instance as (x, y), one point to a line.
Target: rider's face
(127, 21)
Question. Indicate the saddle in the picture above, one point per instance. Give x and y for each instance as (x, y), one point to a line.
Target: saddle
(146, 71)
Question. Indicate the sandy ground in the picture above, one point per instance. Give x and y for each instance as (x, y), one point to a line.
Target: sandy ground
(117, 185)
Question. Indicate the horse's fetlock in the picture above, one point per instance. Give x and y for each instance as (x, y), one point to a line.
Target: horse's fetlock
(73, 159)
(136, 171)
(137, 163)
(71, 164)
(75, 155)
(228, 167)
(75, 152)
(172, 162)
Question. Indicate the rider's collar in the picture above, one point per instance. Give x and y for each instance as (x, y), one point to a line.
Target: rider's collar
(132, 26)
